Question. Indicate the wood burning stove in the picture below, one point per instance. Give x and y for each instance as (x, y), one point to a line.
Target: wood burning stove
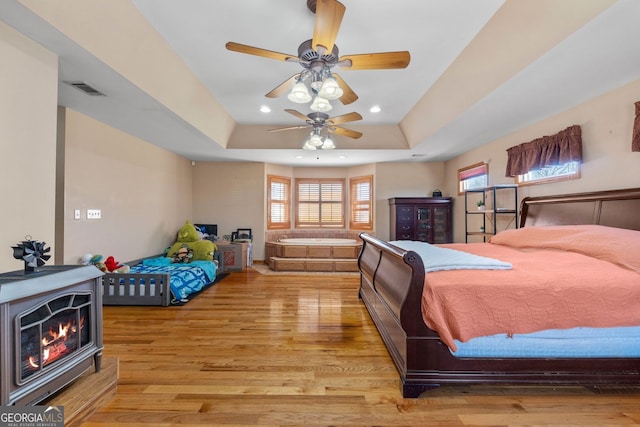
(50, 330)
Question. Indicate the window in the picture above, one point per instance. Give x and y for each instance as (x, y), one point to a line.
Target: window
(278, 205)
(473, 177)
(320, 202)
(361, 201)
(548, 158)
(569, 170)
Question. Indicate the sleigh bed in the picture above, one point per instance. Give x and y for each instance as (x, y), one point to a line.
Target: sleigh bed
(401, 303)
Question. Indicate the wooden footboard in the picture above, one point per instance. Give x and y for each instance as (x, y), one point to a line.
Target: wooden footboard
(391, 283)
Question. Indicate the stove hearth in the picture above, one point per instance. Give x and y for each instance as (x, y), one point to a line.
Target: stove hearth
(50, 330)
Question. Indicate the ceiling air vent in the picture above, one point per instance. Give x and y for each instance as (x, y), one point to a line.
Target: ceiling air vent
(86, 88)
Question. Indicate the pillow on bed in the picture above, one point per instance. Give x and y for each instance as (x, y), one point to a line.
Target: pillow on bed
(616, 245)
(202, 249)
(187, 233)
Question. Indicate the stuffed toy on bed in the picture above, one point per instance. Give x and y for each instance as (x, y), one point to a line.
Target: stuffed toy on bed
(114, 266)
(201, 250)
(97, 260)
(183, 255)
(110, 265)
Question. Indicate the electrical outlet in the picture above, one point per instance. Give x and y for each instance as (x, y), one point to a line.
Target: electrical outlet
(94, 214)
(76, 214)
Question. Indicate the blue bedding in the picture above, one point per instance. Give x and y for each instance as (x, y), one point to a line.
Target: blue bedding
(579, 342)
(185, 279)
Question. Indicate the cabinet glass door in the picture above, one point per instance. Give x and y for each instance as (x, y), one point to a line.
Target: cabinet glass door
(440, 216)
(423, 224)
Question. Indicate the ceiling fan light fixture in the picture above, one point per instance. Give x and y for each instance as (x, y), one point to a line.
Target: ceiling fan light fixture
(320, 104)
(308, 146)
(328, 144)
(330, 89)
(316, 82)
(299, 94)
(315, 140)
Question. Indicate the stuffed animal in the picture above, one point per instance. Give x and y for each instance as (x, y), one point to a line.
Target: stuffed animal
(97, 261)
(183, 255)
(124, 268)
(112, 265)
(86, 259)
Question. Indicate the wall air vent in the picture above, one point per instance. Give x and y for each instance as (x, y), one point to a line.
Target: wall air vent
(85, 87)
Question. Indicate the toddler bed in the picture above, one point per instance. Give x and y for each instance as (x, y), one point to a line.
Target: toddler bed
(160, 281)
(157, 281)
(510, 322)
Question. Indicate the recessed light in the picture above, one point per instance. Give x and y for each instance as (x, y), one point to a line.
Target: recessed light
(375, 109)
(342, 157)
(298, 156)
(265, 109)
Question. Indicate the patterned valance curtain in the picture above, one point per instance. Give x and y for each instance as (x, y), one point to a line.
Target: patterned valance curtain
(635, 142)
(563, 147)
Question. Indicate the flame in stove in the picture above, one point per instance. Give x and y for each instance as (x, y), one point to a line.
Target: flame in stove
(54, 343)
(33, 362)
(60, 334)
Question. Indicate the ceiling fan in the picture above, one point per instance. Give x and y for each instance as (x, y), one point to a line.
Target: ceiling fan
(321, 124)
(319, 55)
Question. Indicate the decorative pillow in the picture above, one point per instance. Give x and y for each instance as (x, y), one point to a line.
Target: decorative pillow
(615, 245)
(202, 250)
(187, 233)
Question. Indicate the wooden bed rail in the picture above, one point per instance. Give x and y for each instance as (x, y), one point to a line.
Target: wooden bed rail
(136, 289)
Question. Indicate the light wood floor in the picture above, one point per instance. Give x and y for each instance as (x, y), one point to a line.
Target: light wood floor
(275, 350)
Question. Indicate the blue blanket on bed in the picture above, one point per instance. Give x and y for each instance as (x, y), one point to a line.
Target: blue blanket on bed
(185, 279)
(436, 258)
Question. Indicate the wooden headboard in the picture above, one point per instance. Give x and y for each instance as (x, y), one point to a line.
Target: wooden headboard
(613, 208)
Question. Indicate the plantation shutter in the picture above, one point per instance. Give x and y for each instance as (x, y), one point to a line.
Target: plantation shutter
(361, 196)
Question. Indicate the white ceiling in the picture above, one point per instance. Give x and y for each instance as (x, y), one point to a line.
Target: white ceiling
(596, 58)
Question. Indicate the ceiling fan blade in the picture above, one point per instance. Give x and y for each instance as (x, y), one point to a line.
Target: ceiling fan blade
(349, 117)
(288, 128)
(284, 87)
(243, 48)
(329, 15)
(377, 61)
(345, 132)
(297, 114)
(348, 95)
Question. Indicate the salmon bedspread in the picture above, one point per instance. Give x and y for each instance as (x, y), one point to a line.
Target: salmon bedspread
(562, 277)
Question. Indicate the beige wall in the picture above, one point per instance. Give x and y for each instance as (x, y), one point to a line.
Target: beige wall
(607, 125)
(231, 195)
(403, 180)
(144, 192)
(28, 97)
